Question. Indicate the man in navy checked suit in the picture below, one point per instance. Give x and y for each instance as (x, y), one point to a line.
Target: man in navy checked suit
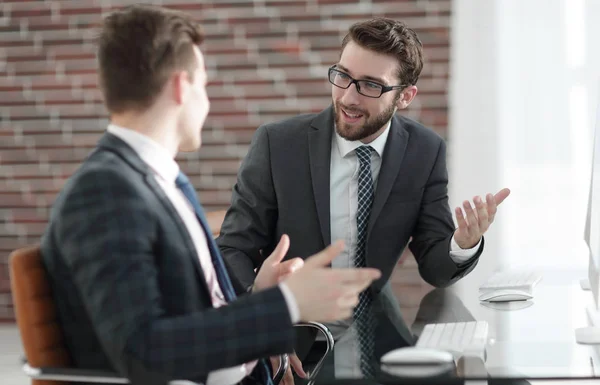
(139, 283)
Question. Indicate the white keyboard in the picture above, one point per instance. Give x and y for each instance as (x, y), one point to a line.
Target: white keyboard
(459, 338)
(516, 280)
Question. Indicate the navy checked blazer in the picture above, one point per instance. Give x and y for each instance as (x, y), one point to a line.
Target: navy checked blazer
(129, 288)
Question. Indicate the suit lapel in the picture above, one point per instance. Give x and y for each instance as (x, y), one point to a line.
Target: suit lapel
(319, 148)
(393, 154)
(116, 145)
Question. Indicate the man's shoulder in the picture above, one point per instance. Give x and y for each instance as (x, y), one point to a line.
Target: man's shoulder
(101, 171)
(103, 180)
(102, 164)
(418, 131)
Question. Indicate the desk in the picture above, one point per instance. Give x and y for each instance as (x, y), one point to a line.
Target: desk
(527, 340)
(539, 340)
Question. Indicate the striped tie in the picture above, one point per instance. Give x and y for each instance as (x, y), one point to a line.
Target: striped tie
(363, 314)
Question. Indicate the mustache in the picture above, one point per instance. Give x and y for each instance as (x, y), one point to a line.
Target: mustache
(351, 110)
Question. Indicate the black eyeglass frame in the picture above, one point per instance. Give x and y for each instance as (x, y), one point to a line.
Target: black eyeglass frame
(384, 88)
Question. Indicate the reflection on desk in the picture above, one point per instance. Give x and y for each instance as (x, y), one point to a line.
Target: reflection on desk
(508, 306)
(530, 342)
(527, 339)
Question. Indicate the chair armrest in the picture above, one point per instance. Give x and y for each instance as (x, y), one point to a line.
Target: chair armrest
(323, 329)
(74, 375)
(329, 341)
(284, 364)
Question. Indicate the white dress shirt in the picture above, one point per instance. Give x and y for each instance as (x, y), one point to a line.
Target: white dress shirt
(343, 208)
(165, 171)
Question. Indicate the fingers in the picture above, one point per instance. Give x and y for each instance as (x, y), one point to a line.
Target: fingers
(491, 207)
(297, 365)
(289, 267)
(350, 300)
(325, 257)
(501, 195)
(274, 363)
(482, 214)
(351, 282)
(288, 377)
(348, 283)
(286, 269)
(475, 222)
(472, 222)
(460, 219)
(280, 251)
(351, 276)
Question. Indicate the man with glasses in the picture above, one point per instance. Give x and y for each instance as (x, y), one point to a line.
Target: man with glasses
(357, 172)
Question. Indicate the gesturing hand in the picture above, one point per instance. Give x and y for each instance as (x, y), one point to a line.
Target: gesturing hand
(472, 224)
(324, 293)
(273, 270)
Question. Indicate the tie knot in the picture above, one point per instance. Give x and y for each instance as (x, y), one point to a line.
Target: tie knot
(181, 180)
(364, 154)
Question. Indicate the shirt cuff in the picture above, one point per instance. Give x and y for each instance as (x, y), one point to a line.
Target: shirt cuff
(459, 255)
(290, 300)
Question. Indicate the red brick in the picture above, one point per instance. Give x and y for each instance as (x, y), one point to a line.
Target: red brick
(256, 31)
(31, 127)
(13, 199)
(9, 243)
(42, 111)
(282, 4)
(15, 97)
(71, 51)
(325, 2)
(37, 229)
(24, 51)
(27, 215)
(68, 155)
(32, 185)
(34, 171)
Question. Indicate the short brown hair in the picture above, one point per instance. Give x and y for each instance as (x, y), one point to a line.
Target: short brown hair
(394, 38)
(139, 47)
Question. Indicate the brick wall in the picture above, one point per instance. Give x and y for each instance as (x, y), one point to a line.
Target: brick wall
(267, 59)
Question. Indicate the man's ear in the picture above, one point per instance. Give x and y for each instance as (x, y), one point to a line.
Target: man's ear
(406, 97)
(181, 86)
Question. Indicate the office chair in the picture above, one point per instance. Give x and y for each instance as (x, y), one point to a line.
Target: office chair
(47, 359)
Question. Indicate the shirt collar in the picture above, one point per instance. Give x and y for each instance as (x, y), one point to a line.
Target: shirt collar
(151, 152)
(347, 146)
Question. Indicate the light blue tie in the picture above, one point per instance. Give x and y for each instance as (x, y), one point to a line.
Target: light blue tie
(363, 314)
(184, 184)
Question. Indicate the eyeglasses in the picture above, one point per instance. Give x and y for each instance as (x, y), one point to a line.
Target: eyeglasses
(367, 88)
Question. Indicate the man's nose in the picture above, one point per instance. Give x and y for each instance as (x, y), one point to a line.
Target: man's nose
(351, 95)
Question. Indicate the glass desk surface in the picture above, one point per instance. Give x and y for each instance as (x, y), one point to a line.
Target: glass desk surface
(532, 339)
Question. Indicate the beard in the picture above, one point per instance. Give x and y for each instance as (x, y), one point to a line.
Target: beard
(354, 132)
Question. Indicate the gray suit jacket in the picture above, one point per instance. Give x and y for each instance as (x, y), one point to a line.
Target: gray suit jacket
(130, 291)
(283, 188)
